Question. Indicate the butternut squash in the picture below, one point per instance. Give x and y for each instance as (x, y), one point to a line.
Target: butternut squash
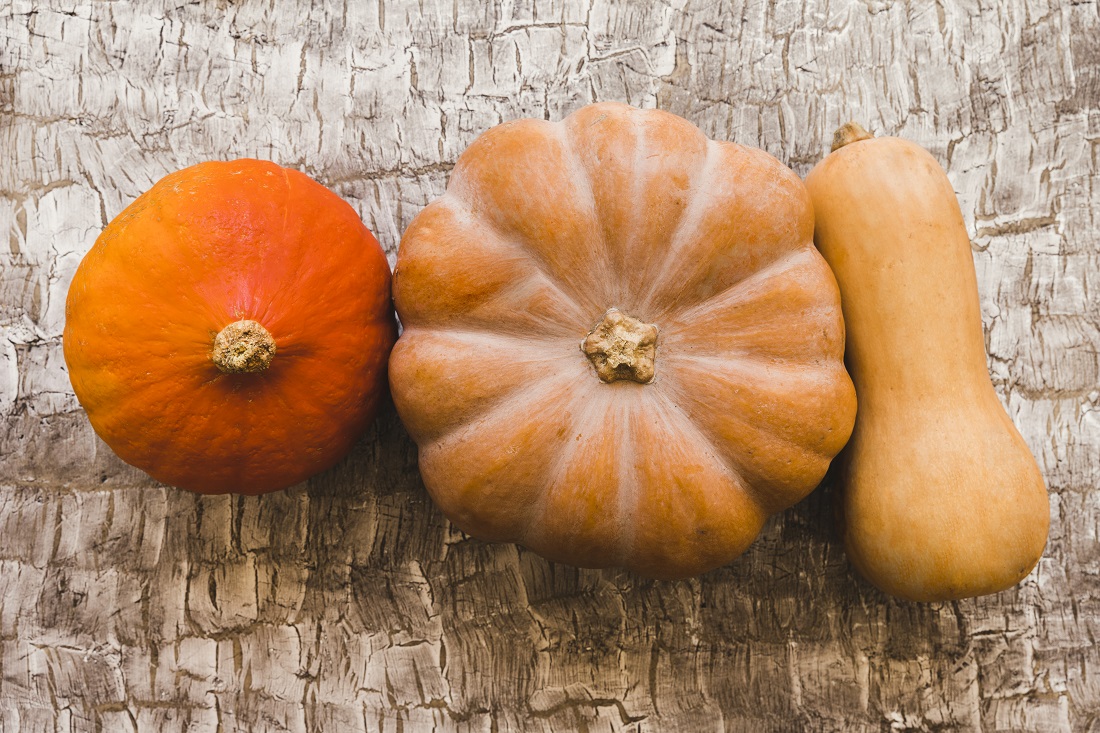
(942, 498)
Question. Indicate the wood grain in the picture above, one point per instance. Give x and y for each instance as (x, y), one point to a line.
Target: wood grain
(348, 603)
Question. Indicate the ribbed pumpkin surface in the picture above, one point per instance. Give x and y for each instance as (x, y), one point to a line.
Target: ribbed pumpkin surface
(557, 252)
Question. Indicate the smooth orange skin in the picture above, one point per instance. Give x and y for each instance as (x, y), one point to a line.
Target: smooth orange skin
(544, 227)
(942, 498)
(206, 246)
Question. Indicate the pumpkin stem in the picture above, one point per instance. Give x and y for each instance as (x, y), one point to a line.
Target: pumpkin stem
(848, 133)
(621, 347)
(243, 347)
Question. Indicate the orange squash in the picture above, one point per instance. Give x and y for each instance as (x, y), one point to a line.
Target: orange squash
(621, 347)
(942, 498)
(229, 331)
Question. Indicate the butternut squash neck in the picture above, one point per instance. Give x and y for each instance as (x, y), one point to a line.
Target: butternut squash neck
(932, 341)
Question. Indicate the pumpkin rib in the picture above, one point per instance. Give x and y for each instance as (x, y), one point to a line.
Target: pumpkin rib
(784, 223)
(551, 329)
(549, 543)
(465, 397)
(706, 328)
(540, 264)
(721, 457)
(635, 194)
(208, 273)
(507, 157)
(306, 272)
(230, 462)
(802, 452)
(156, 442)
(630, 490)
(112, 356)
(539, 271)
(738, 514)
(336, 445)
(480, 491)
(282, 395)
(826, 378)
(535, 340)
(286, 200)
(757, 278)
(113, 427)
(108, 272)
(273, 299)
(228, 474)
(209, 268)
(583, 182)
(322, 314)
(650, 161)
(523, 394)
(592, 176)
(688, 219)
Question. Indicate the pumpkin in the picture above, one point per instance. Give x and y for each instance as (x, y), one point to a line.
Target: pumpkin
(620, 346)
(941, 497)
(229, 330)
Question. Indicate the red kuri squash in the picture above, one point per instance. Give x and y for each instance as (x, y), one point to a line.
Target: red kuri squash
(228, 331)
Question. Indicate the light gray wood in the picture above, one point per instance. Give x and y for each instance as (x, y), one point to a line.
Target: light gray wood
(348, 603)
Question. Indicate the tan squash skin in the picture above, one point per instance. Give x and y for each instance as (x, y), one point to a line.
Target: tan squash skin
(942, 498)
(546, 227)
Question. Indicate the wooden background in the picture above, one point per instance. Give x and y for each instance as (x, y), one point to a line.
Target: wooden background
(348, 603)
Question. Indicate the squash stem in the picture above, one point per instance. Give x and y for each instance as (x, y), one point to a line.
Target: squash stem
(621, 347)
(243, 347)
(848, 133)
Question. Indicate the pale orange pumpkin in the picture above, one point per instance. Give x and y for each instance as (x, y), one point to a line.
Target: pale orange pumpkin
(620, 346)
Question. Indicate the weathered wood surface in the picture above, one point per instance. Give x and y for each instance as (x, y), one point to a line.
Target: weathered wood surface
(348, 603)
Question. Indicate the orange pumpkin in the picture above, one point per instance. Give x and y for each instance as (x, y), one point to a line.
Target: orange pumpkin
(620, 346)
(228, 331)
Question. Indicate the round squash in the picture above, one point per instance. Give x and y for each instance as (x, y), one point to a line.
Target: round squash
(229, 331)
(621, 347)
(942, 498)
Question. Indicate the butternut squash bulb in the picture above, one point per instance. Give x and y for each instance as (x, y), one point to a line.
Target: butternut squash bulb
(620, 346)
(942, 498)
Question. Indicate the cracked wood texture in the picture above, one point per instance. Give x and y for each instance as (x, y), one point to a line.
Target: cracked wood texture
(348, 603)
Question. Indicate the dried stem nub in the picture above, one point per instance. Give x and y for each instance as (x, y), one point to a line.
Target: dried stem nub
(621, 347)
(848, 133)
(243, 347)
